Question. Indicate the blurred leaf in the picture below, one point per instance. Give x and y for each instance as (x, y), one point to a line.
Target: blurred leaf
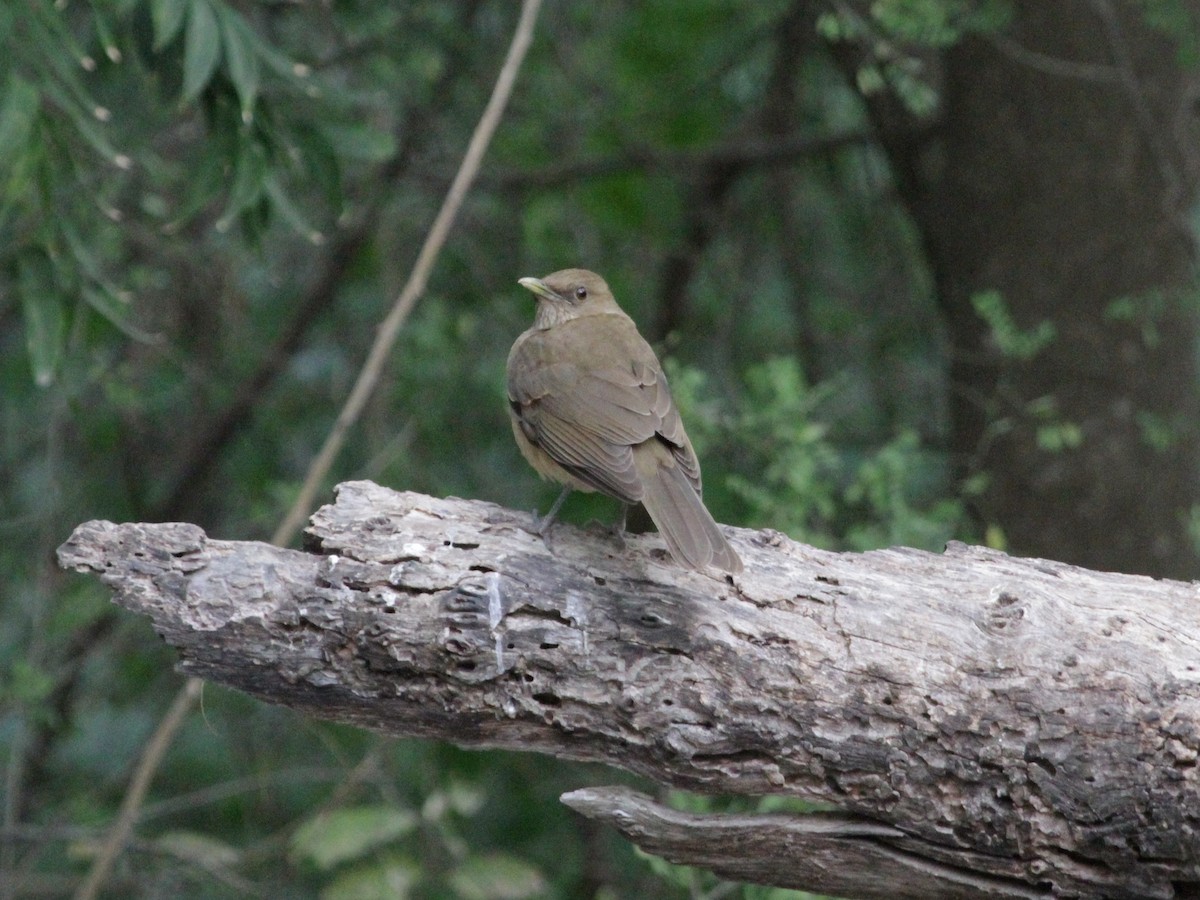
(167, 18)
(85, 125)
(497, 877)
(17, 114)
(45, 318)
(389, 879)
(1059, 436)
(27, 684)
(318, 162)
(1009, 337)
(345, 834)
(105, 34)
(290, 212)
(201, 49)
(994, 537)
(241, 58)
(460, 798)
(58, 55)
(202, 849)
(1158, 431)
(360, 141)
(248, 182)
(115, 310)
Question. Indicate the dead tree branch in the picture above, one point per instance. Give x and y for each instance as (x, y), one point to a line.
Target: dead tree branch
(987, 726)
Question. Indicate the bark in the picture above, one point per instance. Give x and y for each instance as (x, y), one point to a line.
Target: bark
(986, 726)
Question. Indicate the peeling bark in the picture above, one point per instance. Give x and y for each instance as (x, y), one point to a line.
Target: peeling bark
(987, 726)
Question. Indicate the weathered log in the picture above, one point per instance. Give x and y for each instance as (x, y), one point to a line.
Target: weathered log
(986, 726)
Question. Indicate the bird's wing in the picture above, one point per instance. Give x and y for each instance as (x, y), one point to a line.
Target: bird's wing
(588, 420)
(633, 403)
(555, 420)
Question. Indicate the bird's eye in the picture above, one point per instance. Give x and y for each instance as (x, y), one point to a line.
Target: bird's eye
(581, 293)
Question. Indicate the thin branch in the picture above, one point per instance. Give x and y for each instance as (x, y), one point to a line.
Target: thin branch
(215, 793)
(204, 452)
(368, 378)
(114, 842)
(1148, 120)
(436, 239)
(1098, 73)
(761, 152)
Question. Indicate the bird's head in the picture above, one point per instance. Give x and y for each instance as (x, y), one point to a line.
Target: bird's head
(569, 294)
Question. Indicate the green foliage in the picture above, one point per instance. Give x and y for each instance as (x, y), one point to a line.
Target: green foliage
(1178, 20)
(497, 877)
(1192, 526)
(1009, 338)
(1146, 312)
(808, 479)
(898, 33)
(389, 878)
(388, 851)
(332, 837)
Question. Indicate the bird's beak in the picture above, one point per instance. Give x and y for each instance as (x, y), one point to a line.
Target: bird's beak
(538, 287)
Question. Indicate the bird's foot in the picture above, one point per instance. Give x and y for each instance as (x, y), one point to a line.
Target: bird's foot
(616, 531)
(541, 525)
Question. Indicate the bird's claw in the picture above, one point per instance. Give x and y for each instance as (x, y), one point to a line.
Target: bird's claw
(540, 526)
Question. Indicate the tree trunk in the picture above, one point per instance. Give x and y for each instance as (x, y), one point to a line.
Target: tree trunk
(1061, 175)
(987, 726)
(1068, 194)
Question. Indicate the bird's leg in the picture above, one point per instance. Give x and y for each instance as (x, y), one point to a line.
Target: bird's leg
(541, 526)
(618, 527)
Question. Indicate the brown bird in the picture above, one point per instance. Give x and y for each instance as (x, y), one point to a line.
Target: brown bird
(591, 410)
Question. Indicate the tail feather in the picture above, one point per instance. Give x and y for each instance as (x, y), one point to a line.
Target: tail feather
(692, 536)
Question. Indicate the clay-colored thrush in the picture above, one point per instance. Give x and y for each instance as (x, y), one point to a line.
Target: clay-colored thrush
(591, 410)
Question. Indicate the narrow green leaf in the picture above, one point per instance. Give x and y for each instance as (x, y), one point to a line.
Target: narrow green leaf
(17, 114)
(86, 126)
(290, 212)
(248, 178)
(167, 17)
(241, 58)
(201, 49)
(84, 258)
(207, 180)
(315, 161)
(46, 29)
(284, 66)
(45, 319)
(104, 300)
(104, 32)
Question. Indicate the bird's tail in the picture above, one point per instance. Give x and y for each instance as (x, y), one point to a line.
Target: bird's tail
(692, 535)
